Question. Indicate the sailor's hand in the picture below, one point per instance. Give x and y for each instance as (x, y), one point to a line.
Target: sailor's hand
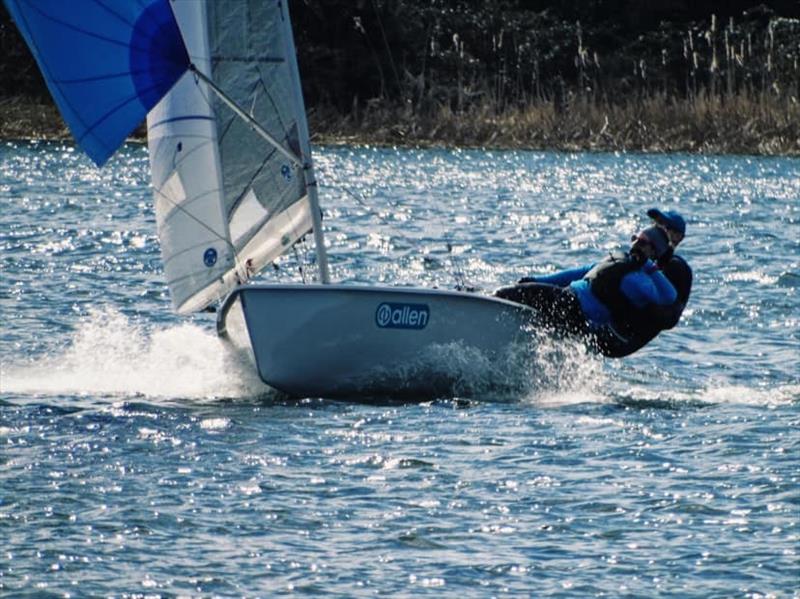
(649, 267)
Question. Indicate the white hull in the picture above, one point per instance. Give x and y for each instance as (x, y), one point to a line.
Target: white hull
(352, 341)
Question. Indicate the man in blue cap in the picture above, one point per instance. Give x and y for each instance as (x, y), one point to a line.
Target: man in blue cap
(676, 269)
(594, 302)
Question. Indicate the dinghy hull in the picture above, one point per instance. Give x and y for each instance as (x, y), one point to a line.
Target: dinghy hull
(355, 342)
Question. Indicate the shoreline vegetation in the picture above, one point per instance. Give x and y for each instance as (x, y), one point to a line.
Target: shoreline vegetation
(518, 75)
(740, 125)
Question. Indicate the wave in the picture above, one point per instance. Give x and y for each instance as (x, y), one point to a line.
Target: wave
(710, 395)
(112, 355)
(742, 394)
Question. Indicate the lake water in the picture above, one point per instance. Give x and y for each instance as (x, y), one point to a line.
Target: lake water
(139, 458)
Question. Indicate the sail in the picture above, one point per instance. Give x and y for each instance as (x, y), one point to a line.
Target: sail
(227, 201)
(105, 62)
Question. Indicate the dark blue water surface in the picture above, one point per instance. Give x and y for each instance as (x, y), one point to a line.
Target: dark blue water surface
(138, 457)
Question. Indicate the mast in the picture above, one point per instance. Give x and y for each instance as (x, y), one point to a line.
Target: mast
(316, 218)
(305, 147)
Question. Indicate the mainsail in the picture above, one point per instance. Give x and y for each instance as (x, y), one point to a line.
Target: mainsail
(227, 201)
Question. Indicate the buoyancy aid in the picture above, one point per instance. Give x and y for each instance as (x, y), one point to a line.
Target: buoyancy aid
(605, 282)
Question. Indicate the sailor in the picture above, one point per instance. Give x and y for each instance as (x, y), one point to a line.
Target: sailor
(594, 302)
(643, 325)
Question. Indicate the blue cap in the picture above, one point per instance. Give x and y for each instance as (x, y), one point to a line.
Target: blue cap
(670, 219)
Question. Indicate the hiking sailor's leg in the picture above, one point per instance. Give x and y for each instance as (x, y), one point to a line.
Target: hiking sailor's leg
(556, 307)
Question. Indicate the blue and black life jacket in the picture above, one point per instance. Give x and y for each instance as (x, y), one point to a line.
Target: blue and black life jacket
(605, 281)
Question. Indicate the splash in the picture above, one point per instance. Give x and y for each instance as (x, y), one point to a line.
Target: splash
(565, 373)
(111, 355)
(537, 370)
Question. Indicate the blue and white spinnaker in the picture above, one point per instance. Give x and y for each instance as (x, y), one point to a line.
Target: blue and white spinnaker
(106, 63)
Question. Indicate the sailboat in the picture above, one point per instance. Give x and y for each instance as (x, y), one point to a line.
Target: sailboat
(234, 189)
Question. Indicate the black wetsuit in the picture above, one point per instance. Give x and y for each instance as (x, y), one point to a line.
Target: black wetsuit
(558, 309)
(641, 326)
(555, 308)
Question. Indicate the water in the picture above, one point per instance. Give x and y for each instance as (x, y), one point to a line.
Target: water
(140, 459)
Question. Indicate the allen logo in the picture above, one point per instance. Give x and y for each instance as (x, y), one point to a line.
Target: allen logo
(402, 316)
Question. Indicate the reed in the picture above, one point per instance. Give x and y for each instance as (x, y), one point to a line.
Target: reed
(25, 118)
(744, 124)
(486, 74)
(711, 88)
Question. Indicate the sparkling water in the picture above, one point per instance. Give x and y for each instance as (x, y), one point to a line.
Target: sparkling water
(141, 458)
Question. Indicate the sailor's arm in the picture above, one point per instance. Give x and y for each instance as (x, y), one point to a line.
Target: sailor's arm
(665, 291)
(648, 286)
(561, 278)
(660, 317)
